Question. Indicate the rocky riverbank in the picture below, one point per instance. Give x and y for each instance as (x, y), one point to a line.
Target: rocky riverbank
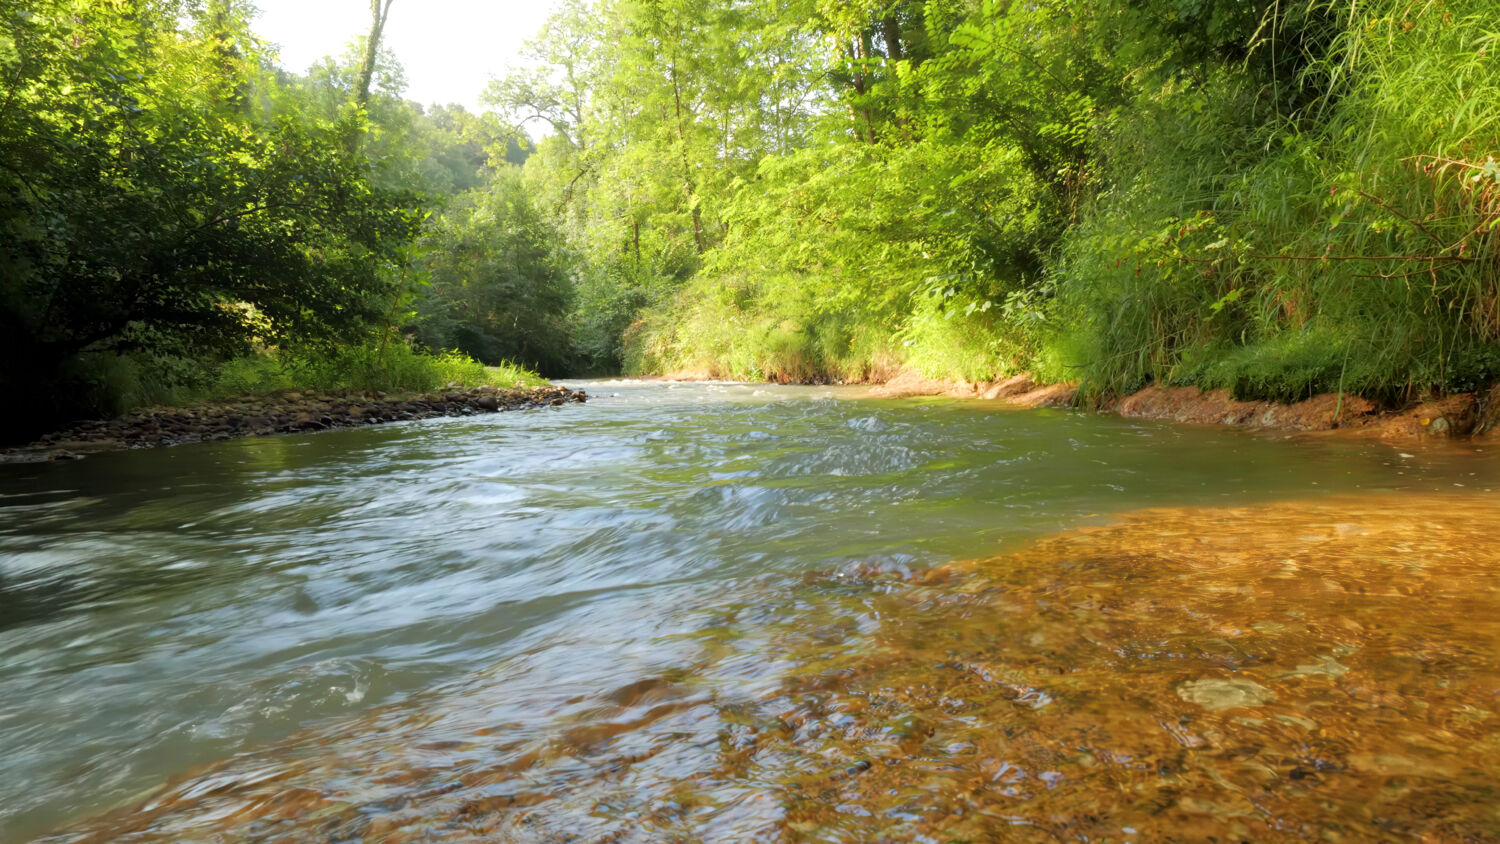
(1459, 415)
(284, 413)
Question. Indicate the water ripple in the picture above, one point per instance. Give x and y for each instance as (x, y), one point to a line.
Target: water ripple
(164, 609)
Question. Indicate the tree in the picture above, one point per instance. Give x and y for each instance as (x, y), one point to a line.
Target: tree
(146, 205)
(500, 288)
(380, 12)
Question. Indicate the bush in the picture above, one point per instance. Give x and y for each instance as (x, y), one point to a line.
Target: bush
(393, 367)
(499, 285)
(1343, 246)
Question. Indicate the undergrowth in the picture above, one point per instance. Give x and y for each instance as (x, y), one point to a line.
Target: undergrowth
(1351, 249)
(393, 367)
(1318, 214)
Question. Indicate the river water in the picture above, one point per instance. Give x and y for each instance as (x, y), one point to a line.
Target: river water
(745, 612)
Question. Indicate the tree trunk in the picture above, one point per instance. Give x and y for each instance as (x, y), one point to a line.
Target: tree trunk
(856, 52)
(891, 29)
(861, 49)
(380, 12)
(687, 172)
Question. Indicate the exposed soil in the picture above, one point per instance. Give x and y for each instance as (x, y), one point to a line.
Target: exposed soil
(1453, 416)
(1456, 415)
(277, 414)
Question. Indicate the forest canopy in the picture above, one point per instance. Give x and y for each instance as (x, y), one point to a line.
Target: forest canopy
(171, 200)
(1275, 198)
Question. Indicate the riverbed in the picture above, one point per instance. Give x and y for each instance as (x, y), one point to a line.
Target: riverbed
(730, 612)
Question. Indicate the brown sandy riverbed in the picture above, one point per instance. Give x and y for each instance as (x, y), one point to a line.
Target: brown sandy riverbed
(1311, 670)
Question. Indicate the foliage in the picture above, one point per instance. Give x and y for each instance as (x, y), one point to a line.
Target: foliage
(1275, 198)
(391, 366)
(1355, 253)
(169, 199)
(499, 286)
(156, 194)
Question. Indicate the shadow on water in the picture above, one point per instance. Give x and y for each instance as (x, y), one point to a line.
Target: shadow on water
(34, 599)
(1314, 670)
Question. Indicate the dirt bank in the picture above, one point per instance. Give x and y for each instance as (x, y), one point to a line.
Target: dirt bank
(1453, 416)
(1019, 391)
(277, 414)
(1459, 415)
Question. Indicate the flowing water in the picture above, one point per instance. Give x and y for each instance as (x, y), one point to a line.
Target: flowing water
(727, 612)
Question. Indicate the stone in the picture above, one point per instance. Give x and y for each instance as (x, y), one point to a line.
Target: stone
(1216, 695)
(286, 413)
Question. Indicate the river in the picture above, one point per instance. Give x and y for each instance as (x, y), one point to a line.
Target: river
(733, 612)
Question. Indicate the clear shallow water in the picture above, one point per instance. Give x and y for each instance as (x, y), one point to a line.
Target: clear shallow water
(162, 610)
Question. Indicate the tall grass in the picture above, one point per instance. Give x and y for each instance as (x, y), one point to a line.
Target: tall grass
(393, 367)
(781, 330)
(1351, 246)
(771, 329)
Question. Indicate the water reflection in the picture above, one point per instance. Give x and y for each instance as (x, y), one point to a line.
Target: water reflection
(1315, 670)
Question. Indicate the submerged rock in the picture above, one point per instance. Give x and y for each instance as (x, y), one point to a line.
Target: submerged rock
(1216, 695)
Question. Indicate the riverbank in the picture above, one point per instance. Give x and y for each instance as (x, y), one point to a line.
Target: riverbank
(1462, 415)
(1453, 416)
(281, 413)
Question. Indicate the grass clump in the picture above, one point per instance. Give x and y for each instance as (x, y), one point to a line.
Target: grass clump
(393, 367)
(1349, 245)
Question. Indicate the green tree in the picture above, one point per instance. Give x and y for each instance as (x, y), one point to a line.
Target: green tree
(500, 289)
(149, 201)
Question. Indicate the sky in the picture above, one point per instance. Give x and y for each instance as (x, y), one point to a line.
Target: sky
(449, 48)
